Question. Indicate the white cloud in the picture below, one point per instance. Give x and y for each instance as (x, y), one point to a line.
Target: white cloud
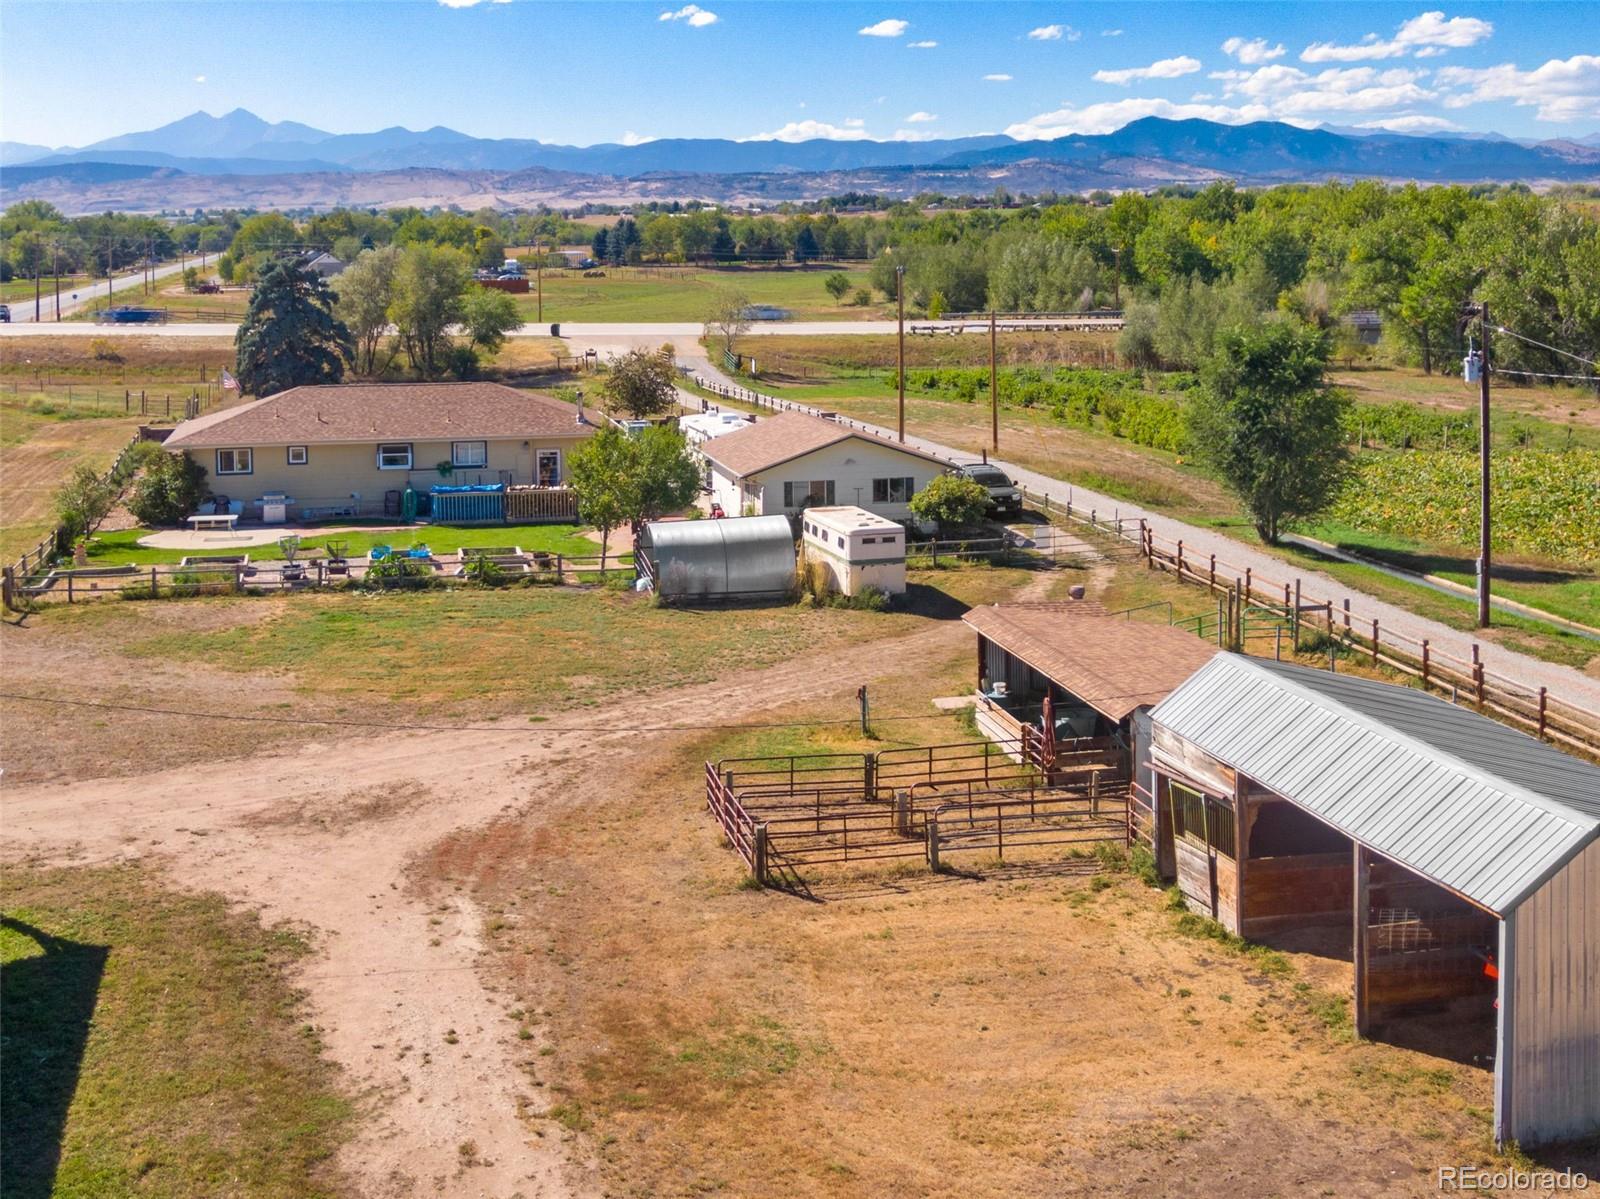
(913, 135)
(469, 3)
(1290, 92)
(885, 28)
(1563, 89)
(1111, 33)
(1165, 68)
(631, 138)
(1201, 97)
(1253, 51)
(924, 45)
(199, 78)
(1047, 33)
(693, 14)
(1426, 35)
(997, 78)
(854, 123)
(921, 118)
(1411, 124)
(803, 131)
(1114, 114)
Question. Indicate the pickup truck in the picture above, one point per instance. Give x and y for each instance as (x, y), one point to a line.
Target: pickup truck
(1004, 496)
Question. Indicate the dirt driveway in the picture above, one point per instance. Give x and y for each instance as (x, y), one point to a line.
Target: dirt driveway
(400, 991)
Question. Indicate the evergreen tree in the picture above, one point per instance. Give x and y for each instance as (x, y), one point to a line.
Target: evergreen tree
(598, 248)
(289, 336)
(722, 247)
(805, 245)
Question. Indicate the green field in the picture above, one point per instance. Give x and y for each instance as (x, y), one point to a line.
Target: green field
(154, 1047)
(687, 293)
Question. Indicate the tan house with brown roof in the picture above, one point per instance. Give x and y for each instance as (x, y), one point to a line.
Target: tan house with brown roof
(342, 448)
(783, 463)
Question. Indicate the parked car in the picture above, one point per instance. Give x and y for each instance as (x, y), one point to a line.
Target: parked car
(1004, 495)
(5, 312)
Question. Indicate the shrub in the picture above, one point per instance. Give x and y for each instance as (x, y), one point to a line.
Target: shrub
(104, 349)
(170, 488)
(861, 297)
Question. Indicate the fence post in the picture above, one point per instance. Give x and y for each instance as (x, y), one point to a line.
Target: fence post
(1277, 643)
(902, 813)
(238, 578)
(8, 586)
(1213, 578)
(760, 854)
(1094, 793)
(1374, 641)
(69, 587)
(1477, 673)
(1543, 699)
(933, 843)
(1180, 559)
(1347, 613)
(1295, 623)
(155, 590)
(1247, 584)
(1424, 661)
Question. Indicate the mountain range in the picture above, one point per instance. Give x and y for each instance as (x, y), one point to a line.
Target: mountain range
(1146, 152)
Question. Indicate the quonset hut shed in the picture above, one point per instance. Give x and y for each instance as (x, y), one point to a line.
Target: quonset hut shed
(1466, 855)
(742, 557)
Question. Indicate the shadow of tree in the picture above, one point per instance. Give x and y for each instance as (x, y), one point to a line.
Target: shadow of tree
(49, 1001)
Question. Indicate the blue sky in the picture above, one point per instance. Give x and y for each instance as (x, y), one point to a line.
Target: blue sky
(74, 71)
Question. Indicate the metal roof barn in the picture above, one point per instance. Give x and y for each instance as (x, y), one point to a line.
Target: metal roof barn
(742, 557)
(1479, 817)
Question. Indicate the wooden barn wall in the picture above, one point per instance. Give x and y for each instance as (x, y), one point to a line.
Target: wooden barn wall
(1291, 891)
(1554, 985)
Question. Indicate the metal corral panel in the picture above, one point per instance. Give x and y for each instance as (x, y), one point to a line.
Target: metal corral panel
(1482, 809)
(742, 555)
(1554, 1045)
(468, 505)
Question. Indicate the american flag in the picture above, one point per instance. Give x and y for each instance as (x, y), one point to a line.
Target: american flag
(229, 383)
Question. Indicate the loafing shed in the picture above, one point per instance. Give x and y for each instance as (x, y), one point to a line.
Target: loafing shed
(1465, 854)
(749, 557)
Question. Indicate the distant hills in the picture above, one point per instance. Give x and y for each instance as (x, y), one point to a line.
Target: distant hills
(164, 167)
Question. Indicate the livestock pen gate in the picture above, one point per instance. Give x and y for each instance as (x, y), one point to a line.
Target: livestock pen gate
(924, 802)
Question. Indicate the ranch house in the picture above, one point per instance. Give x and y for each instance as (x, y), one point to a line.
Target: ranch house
(784, 463)
(352, 449)
(1456, 860)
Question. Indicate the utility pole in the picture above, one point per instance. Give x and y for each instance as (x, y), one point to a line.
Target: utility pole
(900, 301)
(55, 250)
(538, 274)
(994, 385)
(1116, 300)
(1483, 470)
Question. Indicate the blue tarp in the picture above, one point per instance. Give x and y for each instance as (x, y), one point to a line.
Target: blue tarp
(439, 489)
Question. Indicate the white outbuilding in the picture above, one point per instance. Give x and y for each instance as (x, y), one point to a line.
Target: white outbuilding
(857, 548)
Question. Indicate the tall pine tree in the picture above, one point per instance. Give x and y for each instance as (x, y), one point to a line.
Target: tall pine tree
(289, 336)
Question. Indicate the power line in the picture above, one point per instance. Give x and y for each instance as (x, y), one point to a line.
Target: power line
(1511, 370)
(1544, 346)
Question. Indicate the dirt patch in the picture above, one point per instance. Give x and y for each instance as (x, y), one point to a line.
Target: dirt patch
(339, 809)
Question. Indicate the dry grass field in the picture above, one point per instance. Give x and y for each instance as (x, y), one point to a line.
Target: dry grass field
(538, 971)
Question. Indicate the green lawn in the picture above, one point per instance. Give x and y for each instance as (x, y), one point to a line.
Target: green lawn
(119, 548)
(685, 294)
(153, 1046)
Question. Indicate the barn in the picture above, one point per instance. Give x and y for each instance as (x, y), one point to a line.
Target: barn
(1463, 857)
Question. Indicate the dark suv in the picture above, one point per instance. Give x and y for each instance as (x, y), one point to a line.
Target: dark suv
(1005, 497)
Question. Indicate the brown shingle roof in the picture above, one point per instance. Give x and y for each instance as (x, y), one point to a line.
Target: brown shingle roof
(785, 437)
(1111, 663)
(371, 412)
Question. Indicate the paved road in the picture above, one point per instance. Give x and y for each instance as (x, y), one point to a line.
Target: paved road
(642, 331)
(1531, 673)
(22, 313)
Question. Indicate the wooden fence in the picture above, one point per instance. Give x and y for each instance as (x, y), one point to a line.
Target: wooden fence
(534, 505)
(1307, 619)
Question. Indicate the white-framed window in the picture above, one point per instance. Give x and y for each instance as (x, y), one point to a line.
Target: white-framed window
(235, 462)
(893, 491)
(469, 453)
(298, 455)
(396, 456)
(547, 468)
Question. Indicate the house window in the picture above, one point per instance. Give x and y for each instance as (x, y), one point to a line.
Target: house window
(548, 468)
(469, 453)
(394, 457)
(817, 491)
(893, 491)
(298, 455)
(234, 462)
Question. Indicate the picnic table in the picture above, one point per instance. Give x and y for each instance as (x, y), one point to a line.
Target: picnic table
(214, 520)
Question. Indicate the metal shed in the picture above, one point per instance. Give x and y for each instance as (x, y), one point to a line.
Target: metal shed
(744, 557)
(1487, 841)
